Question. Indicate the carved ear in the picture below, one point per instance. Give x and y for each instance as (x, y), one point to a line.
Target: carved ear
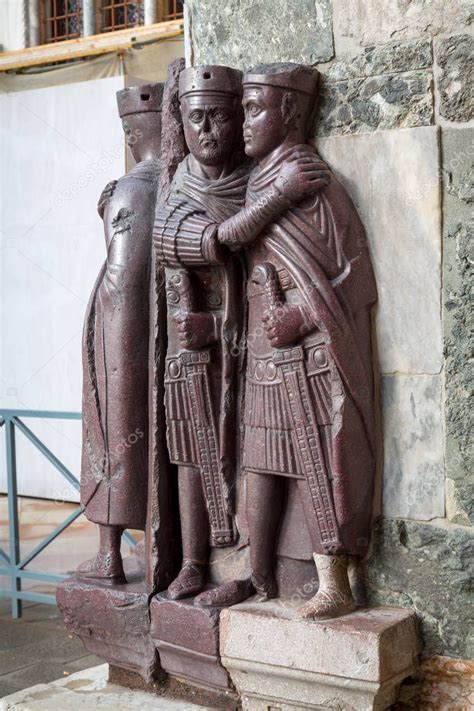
(289, 107)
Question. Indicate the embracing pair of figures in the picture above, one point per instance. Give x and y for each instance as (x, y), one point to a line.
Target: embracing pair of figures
(257, 333)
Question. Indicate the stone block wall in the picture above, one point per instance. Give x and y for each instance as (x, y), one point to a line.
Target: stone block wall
(396, 124)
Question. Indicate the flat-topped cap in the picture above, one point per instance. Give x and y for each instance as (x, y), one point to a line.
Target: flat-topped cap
(138, 99)
(212, 78)
(287, 75)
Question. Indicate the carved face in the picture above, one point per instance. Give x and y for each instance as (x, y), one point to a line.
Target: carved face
(212, 126)
(267, 119)
(143, 133)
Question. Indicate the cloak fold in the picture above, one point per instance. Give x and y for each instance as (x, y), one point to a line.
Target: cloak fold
(115, 343)
(322, 244)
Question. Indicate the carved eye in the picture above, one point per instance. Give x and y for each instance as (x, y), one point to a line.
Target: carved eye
(253, 109)
(221, 116)
(196, 116)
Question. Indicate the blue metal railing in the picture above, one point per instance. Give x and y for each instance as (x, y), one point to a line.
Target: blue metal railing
(11, 564)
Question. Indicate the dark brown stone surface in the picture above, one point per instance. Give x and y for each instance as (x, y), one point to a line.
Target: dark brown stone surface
(187, 639)
(173, 688)
(258, 403)
(112, 621)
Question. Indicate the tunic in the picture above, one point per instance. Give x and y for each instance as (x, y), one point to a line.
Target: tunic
(319, 250)
(115, 358)
(185, 238)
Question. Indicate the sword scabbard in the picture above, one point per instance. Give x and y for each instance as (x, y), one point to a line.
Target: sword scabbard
(291, 364)
(198, 385)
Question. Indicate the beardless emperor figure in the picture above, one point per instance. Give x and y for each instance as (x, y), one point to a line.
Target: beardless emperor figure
(309, 399)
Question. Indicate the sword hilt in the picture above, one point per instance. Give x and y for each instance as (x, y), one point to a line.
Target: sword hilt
(181, 282)
(266, 275)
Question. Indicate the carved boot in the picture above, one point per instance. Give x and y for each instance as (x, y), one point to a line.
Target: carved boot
(107, 564)
(190, 581)
(265, 588)
(230, 593)
(334, 596)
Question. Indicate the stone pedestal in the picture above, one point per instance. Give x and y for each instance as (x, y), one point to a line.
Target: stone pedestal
(187, 640)
(354, 662)
(112, 622)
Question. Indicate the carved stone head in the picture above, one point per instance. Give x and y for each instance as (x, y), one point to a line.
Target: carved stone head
(278, 101)
(140, 110)
(211, 109)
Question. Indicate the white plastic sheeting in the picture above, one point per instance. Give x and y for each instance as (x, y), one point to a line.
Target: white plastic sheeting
(59, 147)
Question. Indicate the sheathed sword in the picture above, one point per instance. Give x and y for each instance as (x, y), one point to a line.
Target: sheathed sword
(198, 385)
(292, 367)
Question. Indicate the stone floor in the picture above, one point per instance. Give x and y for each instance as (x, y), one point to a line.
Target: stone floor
(90, 689)
(37, 648)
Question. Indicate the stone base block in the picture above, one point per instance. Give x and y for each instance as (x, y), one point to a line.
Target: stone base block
(354, 662)
(112, 621)
(187, 639)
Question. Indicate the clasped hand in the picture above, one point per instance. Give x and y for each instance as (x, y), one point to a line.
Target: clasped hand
(195, 329)
(302, 175)
(284, 325)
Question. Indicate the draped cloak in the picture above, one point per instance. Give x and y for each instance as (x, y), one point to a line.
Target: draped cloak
(115, 357)
(193, 198)
(322, 244)
(216, 200)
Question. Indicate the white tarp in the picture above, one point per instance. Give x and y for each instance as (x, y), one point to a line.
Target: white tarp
(59, 147)
(61, 141)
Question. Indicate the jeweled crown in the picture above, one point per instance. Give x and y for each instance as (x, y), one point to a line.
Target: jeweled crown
(138, 99)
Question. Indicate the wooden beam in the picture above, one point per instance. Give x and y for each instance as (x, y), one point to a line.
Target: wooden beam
(117, 41)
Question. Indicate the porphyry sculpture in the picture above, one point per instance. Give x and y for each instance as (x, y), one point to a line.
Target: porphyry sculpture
(308, 385)
(204, 308)
(309, 401)
(308, 412)
(229, 404)
(114, 476)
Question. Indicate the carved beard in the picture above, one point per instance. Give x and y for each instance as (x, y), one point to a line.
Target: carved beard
(214, 150)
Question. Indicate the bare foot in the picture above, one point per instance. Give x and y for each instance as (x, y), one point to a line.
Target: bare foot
(230, 593)
(326, 605)
(105, 566)
(190, 581)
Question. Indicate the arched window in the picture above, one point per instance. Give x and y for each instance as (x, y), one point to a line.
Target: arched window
(60, 20)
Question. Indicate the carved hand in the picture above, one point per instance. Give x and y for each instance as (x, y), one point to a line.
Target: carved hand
(302, 175)
(105, 196)
(286, 325)
(196, 329)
